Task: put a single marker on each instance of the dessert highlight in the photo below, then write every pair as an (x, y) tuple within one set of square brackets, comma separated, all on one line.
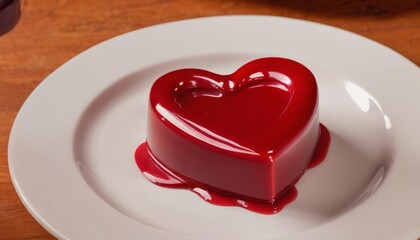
[(242, 139)]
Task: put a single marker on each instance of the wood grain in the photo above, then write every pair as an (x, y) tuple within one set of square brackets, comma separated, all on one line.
[(50, 32)]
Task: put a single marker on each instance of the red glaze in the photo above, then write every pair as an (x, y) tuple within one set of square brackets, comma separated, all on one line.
[(165, 178), (157, 174), (250, 134)]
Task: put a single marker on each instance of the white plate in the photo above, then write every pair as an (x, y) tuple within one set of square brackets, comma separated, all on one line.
[(71, 147)]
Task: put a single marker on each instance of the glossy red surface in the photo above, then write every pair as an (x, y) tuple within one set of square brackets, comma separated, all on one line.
[(155, 172), (249, 135)]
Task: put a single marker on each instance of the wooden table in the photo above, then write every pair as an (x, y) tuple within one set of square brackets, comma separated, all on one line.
[(50, 32)]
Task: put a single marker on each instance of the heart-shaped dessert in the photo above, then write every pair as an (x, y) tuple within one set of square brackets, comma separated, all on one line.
[(250, 134)]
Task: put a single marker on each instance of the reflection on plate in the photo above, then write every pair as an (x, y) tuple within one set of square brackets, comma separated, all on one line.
[(74, 162)]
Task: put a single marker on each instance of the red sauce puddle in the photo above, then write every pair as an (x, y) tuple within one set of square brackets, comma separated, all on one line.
[(161, 176)]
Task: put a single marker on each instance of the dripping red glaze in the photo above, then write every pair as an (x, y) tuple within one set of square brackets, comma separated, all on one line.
[(242, 139)]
